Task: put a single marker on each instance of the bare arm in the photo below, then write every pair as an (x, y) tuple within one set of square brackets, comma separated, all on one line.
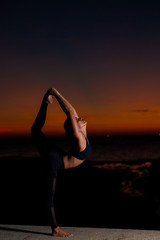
[(68, 109), (65, 105)]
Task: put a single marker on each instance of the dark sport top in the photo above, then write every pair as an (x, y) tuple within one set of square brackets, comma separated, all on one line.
[(85, 153)]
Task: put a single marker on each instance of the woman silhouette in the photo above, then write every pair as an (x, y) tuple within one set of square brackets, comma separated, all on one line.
[(55, 157)]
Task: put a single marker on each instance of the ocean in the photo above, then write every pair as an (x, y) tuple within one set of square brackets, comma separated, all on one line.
[(113, 148), (117, 186)]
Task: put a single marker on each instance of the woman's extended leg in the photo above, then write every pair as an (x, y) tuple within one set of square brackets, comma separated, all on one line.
[(39, 138)]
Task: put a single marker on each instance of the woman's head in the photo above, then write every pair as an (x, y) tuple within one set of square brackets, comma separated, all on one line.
[(69, 129), (81, 123)]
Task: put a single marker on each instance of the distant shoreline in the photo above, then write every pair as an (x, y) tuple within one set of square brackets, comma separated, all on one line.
[(124, 195)]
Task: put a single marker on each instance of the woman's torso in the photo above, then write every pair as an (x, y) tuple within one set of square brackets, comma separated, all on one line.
[(78, 153)]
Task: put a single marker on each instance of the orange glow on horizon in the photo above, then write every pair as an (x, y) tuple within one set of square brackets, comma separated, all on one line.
[(108, 109), (93, 128)]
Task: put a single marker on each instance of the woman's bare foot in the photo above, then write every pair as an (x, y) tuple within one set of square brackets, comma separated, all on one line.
[(58, 232)]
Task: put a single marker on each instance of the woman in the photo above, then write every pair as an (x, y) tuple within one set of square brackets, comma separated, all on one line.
[(56, 158)]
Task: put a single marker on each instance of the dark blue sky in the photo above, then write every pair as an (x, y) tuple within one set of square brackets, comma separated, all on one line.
[(34, 26), (102, 55)]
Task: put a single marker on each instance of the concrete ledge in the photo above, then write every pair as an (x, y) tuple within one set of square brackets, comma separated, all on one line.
[(21, 232)]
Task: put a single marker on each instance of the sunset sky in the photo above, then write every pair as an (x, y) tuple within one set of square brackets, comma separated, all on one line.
[(103, 57)]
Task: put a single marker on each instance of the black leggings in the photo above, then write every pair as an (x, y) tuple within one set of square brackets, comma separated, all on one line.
[(53, 160)]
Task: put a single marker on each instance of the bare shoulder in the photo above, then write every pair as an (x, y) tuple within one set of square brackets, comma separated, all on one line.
[(79, 145), (81, 141)]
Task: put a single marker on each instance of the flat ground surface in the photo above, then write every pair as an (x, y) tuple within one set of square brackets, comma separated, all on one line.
[(24, 232)]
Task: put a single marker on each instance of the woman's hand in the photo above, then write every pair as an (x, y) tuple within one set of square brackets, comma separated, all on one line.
[(54, 91), (49, 95)]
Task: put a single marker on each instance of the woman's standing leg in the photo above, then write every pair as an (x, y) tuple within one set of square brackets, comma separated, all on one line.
[(50, 202)]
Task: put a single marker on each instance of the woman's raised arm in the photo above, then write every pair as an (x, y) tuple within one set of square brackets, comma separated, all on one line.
[(65, 105), (69, 110)]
